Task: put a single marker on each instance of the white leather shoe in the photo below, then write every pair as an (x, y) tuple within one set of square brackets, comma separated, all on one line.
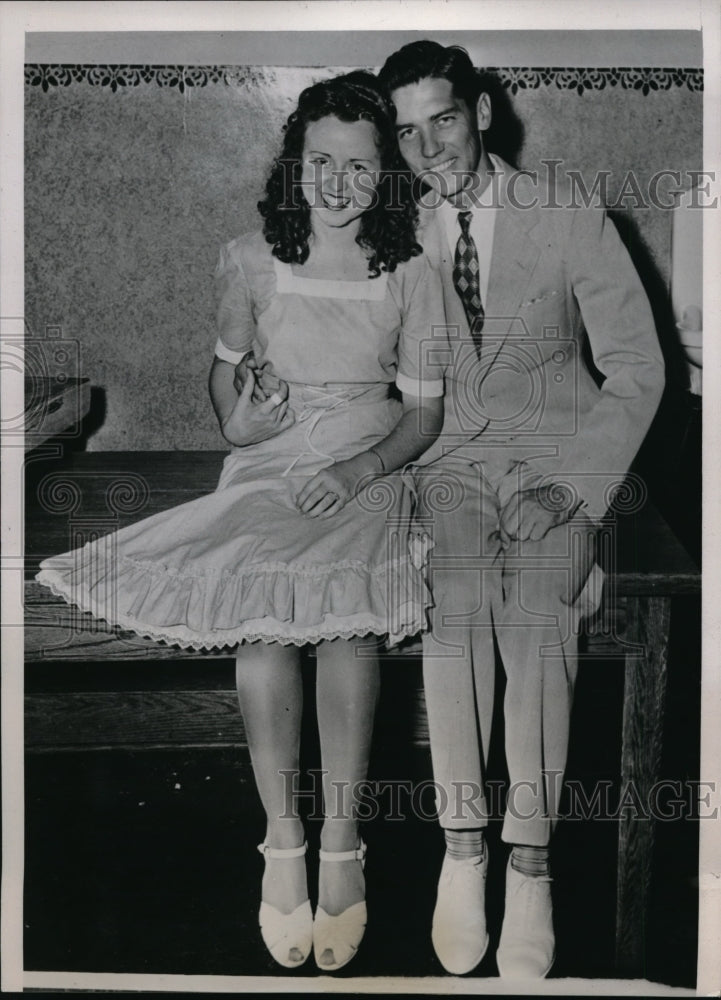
[(287, 936), (459, 932), (336, 938), (527, 947)]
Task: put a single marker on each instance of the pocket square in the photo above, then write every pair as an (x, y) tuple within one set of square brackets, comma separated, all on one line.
[(541, 297)]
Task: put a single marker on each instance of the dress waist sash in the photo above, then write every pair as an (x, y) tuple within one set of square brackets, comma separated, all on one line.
[(312, 402)]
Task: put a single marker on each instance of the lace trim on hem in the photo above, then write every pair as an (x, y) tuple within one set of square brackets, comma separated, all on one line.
[(208, 642)]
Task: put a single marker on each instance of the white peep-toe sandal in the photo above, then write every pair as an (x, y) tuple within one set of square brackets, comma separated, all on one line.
[(287, 936), (343, 933)]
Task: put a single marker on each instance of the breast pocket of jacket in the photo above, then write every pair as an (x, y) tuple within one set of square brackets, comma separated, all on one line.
[(541, 315)]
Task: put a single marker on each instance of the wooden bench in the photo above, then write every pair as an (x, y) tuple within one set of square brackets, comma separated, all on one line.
[(90, 494)]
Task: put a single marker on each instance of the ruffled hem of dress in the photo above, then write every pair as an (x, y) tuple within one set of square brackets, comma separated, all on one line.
[(277, 595)]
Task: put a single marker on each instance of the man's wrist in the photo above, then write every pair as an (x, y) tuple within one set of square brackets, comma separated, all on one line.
[(234, 435), (231, 438)]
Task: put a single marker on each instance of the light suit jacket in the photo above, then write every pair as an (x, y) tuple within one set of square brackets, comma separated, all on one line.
[(561, 283)]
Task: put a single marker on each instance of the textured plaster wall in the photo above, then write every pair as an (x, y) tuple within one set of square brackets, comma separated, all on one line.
[(130, 192)]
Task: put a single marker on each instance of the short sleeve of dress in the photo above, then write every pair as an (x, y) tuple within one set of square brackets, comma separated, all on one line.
[(235, 320), (423, 350)]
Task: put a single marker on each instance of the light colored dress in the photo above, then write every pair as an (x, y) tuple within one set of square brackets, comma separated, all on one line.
[(243, 563)]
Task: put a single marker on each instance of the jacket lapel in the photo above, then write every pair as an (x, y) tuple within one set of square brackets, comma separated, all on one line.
[(514, 258)]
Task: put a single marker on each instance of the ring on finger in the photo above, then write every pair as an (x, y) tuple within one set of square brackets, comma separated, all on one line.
[(335, 496)]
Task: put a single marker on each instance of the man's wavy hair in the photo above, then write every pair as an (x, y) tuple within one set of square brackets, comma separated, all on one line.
[(387, 227), (426, 59)]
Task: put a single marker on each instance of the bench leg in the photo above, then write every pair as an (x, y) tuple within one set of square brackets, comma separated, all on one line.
[(643, 715)]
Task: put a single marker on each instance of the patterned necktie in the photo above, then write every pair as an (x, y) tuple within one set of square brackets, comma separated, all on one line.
[(467, 280)]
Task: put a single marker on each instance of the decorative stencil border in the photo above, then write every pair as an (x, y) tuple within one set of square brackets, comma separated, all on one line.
[(644, 80), (515, 79)]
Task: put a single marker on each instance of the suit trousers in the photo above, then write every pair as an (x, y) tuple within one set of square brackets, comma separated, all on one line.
[(490, 597)]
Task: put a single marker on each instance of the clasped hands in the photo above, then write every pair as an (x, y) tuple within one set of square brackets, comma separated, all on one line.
[(262, 412)]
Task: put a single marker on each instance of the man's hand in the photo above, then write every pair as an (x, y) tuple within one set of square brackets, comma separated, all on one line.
[(527, 517), (329, 490), (251, 422), (530, 514)]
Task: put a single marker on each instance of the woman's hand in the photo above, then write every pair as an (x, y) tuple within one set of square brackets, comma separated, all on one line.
[(329, 490), (250, 422)]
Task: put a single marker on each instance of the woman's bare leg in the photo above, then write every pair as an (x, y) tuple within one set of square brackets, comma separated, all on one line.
[(347, 688), (270, 693)]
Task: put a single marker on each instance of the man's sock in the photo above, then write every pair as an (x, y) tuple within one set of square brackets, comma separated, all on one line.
[(462, 844), (534, 861)]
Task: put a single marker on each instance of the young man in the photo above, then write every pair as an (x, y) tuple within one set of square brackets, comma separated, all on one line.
[(532, 447)]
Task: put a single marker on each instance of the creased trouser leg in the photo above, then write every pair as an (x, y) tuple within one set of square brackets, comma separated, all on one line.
[(537, 638), (458, 656), (459, 700), (480, 589)]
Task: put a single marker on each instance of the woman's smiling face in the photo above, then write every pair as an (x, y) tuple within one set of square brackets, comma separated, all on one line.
[(341, 166)]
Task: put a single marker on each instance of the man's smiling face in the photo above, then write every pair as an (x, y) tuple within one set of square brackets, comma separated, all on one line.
[(438, 134)]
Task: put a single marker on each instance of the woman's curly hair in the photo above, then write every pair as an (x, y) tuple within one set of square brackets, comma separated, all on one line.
[(387, 227)]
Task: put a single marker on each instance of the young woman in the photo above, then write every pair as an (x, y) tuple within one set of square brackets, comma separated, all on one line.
[(324, 310)]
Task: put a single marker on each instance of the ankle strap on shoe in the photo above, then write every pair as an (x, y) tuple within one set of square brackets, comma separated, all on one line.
[(280, 853), (357, 855)]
